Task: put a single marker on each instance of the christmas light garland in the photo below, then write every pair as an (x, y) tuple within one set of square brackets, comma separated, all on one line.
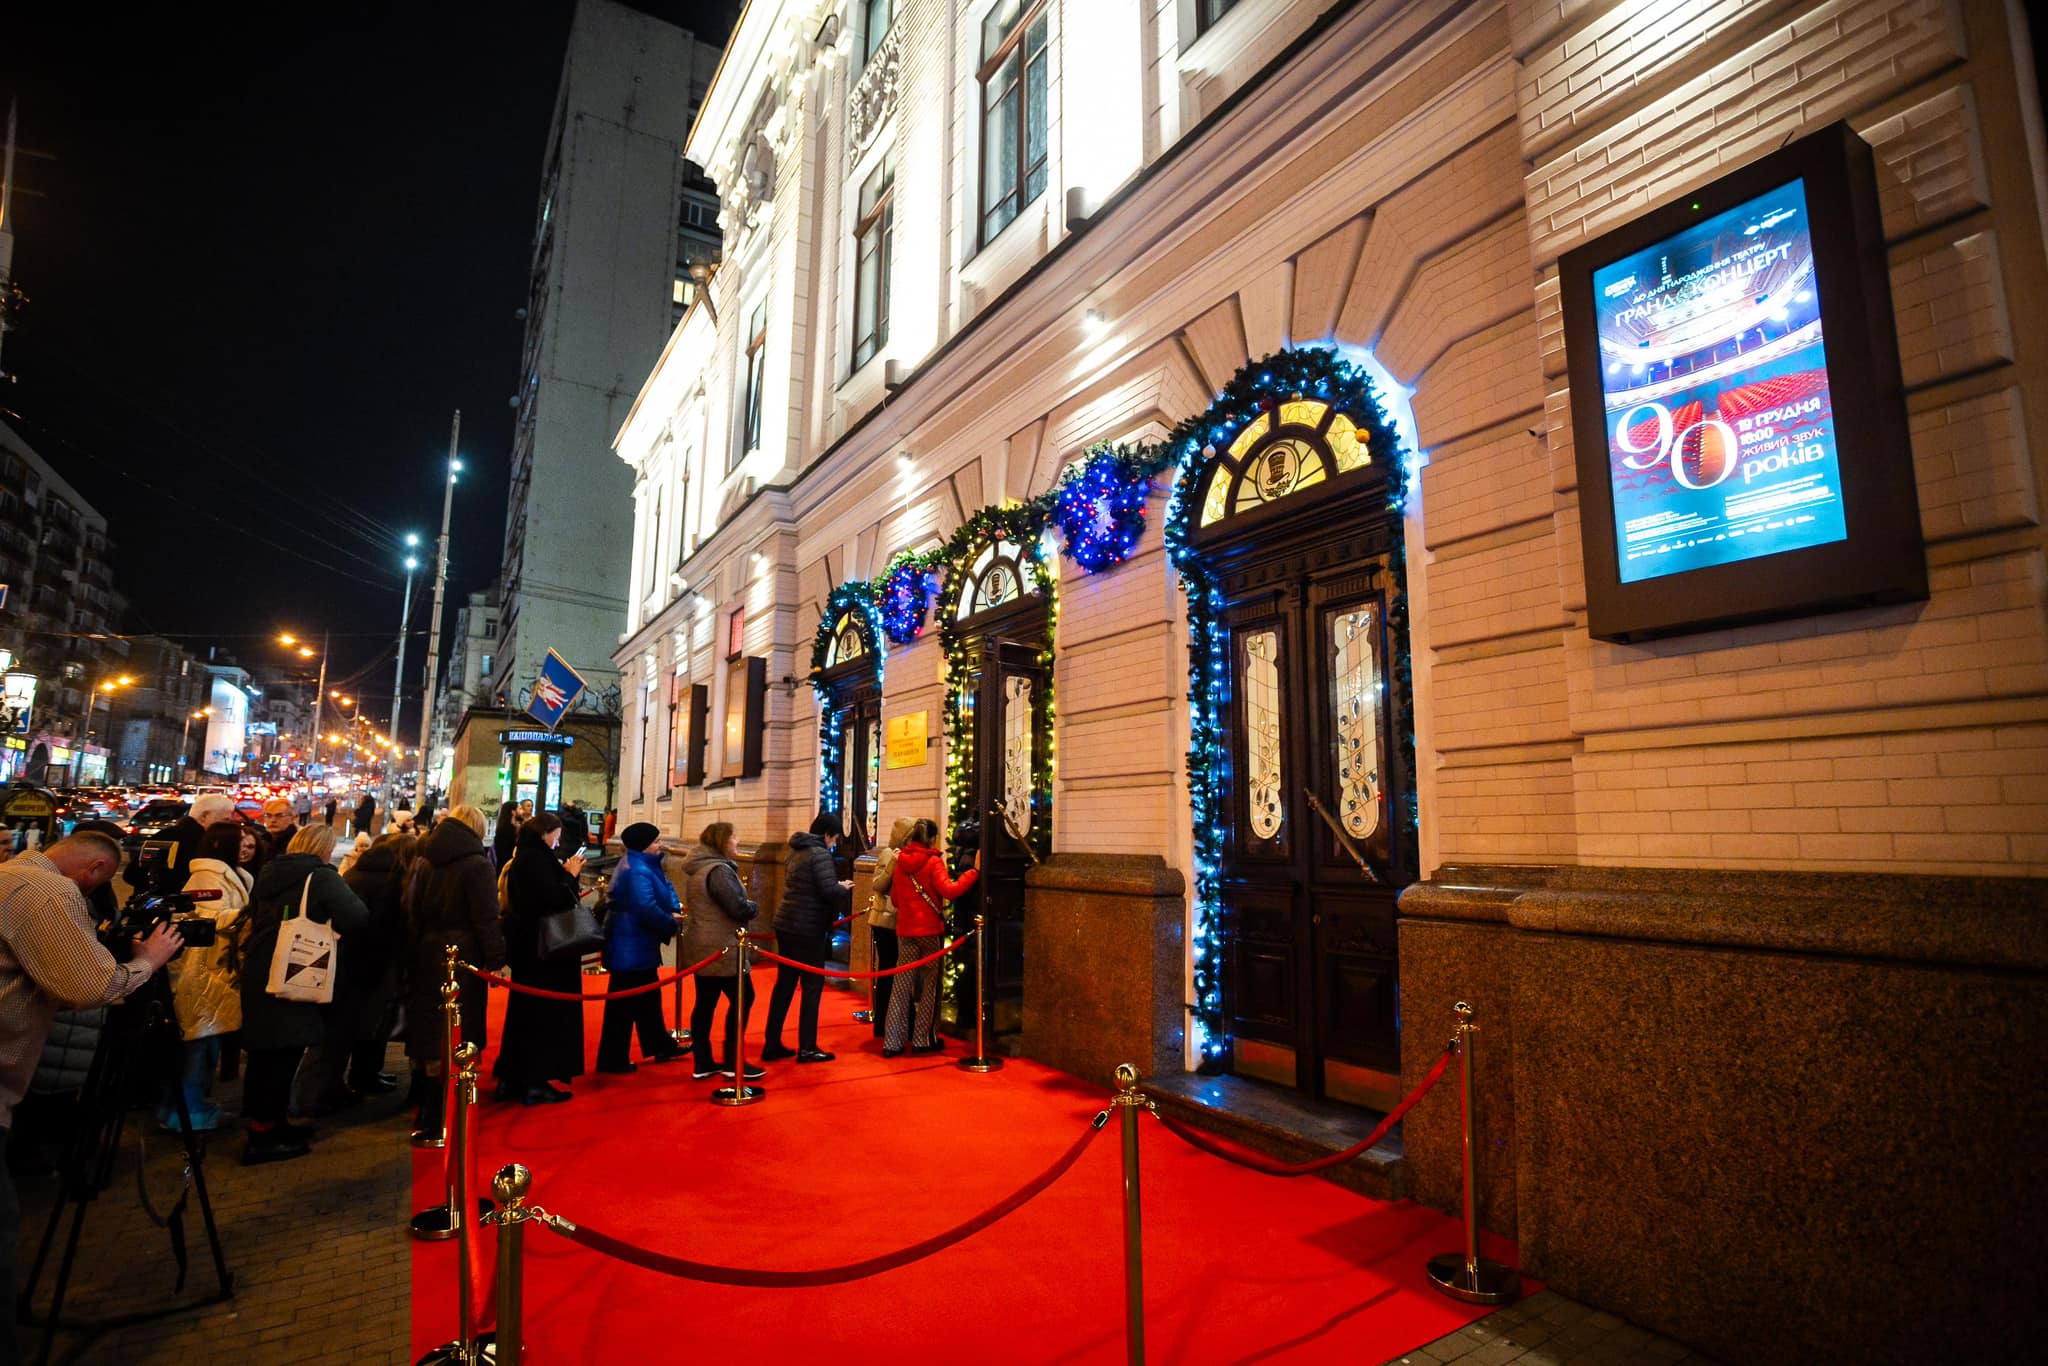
[(1255, 390), (856, 596)]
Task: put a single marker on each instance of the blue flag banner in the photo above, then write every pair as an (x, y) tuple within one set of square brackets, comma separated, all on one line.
[(555, 691)]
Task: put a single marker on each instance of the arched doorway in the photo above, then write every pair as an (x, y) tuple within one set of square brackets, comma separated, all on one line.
[(846, 671), (1288, 535), (996, 618)]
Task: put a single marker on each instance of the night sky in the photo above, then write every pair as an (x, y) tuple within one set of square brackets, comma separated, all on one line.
[(272, 254)]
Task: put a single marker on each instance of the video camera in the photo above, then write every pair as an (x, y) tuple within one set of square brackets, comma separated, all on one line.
[(148, 906)]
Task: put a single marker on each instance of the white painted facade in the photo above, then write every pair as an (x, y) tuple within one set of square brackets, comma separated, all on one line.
[(1397, 178)]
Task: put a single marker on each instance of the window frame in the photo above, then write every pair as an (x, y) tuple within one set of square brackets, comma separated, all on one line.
[(870, 39), (1015, 44), (1204, 21), (880, 221), (754, 384)]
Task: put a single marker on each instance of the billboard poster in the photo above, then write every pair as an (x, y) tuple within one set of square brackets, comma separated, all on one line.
[(226, 738), (1721, 442)]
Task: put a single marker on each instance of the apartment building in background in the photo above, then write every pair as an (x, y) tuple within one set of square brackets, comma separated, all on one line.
[(621, 222), (466, 681), (59, 607)]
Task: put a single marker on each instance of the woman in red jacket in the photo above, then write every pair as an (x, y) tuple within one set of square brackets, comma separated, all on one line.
[(920, 890)]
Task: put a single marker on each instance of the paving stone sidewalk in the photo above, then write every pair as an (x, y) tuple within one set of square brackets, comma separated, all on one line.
[(1549, 1330), (317, 1246)]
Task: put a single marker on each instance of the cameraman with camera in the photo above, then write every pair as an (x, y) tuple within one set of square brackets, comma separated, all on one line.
[(50, 956)]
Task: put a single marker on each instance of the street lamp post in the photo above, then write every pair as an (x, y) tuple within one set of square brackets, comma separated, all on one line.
[(440, 585), (319, 687), (398, 683), (92, 698), (185, 735)]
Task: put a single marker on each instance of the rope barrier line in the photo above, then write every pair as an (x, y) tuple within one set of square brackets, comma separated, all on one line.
[(831, 1275), (492, 979), (1195, 1138), (865, 976)]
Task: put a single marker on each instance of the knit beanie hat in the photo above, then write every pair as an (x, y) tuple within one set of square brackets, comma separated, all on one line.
[(639, 835)]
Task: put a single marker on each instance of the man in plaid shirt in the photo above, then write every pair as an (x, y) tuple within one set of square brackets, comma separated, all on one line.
[(49, 958)]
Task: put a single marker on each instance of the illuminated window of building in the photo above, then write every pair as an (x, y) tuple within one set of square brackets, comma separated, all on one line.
[(1013, 110), (848, 641), (880, 13), (1300, 445), (874, 240), (757, 375)]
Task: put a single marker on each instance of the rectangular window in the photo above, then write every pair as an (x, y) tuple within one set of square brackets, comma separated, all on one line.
[(873, 244), (757, 364), (1207, 12), (1013, 100), (879, 15)]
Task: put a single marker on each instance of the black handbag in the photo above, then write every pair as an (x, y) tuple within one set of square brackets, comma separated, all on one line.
[(571, 932)]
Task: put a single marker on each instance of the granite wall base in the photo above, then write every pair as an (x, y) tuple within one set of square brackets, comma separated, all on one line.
[(1785, 1118), (1103, 964)]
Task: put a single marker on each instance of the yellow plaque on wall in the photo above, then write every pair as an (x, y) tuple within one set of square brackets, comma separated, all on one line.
[(907, 740)]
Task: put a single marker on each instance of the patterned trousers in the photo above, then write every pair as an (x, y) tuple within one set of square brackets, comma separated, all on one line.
[(919, 986)]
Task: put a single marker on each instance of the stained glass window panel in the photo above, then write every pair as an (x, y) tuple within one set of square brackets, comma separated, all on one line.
[(1263, 812), (1348, 444), (1302, 413), (1284, 467), (1017, 732), (1249, 437), (1218, 500), (1355, 692)]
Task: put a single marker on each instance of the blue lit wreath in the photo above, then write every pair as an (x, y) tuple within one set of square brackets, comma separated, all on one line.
[(907, 588), (1100, 507)]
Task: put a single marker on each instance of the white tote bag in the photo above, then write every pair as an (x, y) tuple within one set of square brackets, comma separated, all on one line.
[(302, 968)]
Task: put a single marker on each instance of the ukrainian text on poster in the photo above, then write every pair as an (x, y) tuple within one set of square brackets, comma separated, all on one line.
[(1720, 426)]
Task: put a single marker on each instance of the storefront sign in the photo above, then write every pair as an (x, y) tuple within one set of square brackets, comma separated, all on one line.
[(542, 738), (907, 741)]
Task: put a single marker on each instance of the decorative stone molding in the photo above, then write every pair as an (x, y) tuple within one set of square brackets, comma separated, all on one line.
[(873, 98)]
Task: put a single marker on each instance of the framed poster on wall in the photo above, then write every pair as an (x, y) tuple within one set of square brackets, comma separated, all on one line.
[(1737, 409)]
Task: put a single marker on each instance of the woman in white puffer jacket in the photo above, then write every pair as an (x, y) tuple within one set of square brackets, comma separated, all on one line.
[(203, 981)]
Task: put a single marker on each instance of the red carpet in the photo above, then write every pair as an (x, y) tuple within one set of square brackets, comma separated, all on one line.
[(862, 1156)]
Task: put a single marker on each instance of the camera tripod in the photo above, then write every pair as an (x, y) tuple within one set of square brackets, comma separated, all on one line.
[(139, 1032)]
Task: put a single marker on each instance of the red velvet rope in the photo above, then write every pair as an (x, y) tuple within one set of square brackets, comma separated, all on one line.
[(1258, 1163), (492, 979), (863, 976), (831, 1275)]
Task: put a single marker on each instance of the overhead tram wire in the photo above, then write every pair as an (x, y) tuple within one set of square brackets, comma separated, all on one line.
[(368, 527), (383, 579)]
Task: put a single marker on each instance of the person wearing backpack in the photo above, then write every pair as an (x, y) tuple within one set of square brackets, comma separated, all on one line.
[(277, 1032), (812, 899)]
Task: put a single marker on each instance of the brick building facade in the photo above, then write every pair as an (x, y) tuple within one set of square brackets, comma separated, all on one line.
[(1664, 872)]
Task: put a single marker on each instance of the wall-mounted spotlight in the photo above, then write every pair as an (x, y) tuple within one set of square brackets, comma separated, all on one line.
[(1081, 207)]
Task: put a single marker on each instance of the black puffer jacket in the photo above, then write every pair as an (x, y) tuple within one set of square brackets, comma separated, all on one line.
[(811, 895)]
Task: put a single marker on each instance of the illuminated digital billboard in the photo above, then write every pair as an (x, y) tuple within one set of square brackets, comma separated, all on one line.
[(1737, 408)]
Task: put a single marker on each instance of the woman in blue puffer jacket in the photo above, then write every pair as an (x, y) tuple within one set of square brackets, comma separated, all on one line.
[(644, 913)]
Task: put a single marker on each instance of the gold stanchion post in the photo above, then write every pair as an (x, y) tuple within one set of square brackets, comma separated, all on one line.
[(447, 1220), (1466, 1275), (451, 1016), (981, 1061), (1129, 1102), (739, 1093), (511, 1185), (469, 1347)]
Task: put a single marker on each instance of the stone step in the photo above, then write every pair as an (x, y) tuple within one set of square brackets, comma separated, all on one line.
[(1286, 1126)]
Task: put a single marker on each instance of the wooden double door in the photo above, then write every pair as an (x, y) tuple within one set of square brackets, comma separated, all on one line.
[(1004, 700), (1315, 847)]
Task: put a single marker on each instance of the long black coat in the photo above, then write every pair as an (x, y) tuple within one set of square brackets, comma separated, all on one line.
[(369, 961), (268, 1022), (811, 895), (543, 1038), (452, 899)]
